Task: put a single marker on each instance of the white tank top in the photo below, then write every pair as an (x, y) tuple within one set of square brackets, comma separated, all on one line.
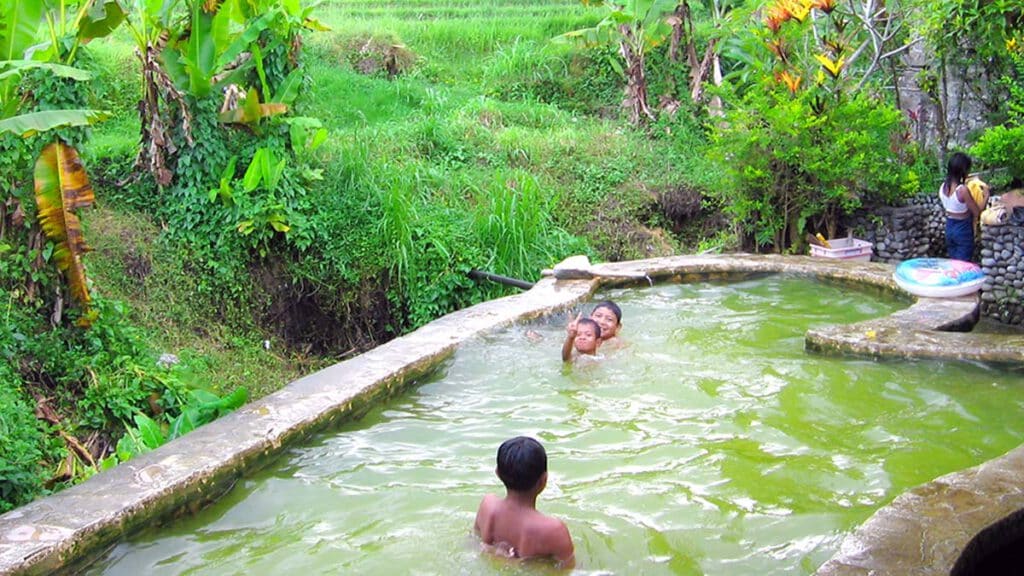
[(951, 203)]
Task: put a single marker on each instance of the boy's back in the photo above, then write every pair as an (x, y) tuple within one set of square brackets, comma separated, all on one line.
[(512, 524), (522, 531)]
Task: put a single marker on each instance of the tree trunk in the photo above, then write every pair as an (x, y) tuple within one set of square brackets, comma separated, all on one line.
[(636, 77), (156, 144)]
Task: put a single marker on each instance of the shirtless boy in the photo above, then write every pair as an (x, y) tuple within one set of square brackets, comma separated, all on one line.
[(582, 337), (608, 316), (513, 523)]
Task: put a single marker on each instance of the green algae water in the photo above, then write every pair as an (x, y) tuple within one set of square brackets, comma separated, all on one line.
[(711, 444)]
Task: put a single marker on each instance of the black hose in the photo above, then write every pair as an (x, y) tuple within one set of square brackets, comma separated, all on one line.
[(481, 275)]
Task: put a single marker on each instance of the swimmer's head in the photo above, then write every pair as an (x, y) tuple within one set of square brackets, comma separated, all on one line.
[(608, 315), (522, 464), (588, 336)]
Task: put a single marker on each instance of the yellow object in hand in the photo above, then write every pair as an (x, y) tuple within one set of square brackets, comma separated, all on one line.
[(979, 191)]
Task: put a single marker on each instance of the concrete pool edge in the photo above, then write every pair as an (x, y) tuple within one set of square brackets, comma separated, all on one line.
[(58, 530), (925, 530)]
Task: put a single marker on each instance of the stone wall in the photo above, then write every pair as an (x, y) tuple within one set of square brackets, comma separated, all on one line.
[(1002, 259), (917, 229), (897, 233), (966, 95)]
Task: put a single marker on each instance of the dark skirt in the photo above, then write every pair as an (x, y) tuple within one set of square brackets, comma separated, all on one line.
[(960, 238)]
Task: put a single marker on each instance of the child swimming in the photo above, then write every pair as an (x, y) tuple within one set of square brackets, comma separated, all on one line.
[(608, 316), (582, 337), (513, 524)]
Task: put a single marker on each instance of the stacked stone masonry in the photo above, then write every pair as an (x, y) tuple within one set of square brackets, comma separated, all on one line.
[(899, 233), (1002, 259), (917, 229)]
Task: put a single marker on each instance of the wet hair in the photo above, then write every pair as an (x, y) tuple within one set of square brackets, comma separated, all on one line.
[(591, 323), (611, 306), (521, 463), (957, 168)]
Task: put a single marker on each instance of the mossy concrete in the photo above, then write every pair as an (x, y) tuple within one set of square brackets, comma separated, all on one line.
[(923, 531), (59, 531)]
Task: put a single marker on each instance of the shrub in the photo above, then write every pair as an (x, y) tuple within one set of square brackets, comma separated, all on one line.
[(793, 166), (806, 141), (1003, 145), (21, 460)]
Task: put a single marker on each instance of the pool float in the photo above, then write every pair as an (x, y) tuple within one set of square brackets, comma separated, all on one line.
[(938, 277)]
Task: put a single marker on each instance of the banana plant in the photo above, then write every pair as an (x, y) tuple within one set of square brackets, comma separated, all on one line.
[(61, 187), (262, 215), (288, 18), (30, 123), (26, 44), (71, 23), (635, 26), (209, 55)]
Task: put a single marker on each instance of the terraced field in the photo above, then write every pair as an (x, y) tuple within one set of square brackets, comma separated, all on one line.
[(458, 33)]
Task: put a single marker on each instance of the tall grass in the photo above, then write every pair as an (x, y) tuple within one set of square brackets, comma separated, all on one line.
[(513, 222)]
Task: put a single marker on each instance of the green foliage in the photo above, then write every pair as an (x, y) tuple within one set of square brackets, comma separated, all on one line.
[(95, 380), (584, 81), (523, 70), (950, 26), (21, 460), (199, 407), (1003, 145), (795, 169), (804, 141), (511, 219), (438, 280), (645, 19)]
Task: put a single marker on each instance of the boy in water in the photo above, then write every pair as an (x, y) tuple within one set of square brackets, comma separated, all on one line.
[(582, 337), (608, 316), (513, 523)]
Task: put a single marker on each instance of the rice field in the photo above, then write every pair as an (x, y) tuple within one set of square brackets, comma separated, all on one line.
[(455, 37)]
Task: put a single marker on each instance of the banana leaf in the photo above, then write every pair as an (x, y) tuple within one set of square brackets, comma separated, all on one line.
[(102, 18), (19, 27), (10, 68), (26, 125), (61, 187)]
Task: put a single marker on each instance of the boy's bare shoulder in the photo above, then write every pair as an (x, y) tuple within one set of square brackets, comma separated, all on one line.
[(490, 500), (484, 513), (543, 528), (552, 539), (550, 527), (614, 341), (489, 505)]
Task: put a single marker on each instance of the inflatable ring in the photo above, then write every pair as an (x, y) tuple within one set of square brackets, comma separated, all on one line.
[(938, 277)]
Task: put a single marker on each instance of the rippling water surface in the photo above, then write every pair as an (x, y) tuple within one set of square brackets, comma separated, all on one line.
[(711, 444)]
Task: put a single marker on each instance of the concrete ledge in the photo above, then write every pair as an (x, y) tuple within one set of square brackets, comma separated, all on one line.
[(55, 532), (923, 531)]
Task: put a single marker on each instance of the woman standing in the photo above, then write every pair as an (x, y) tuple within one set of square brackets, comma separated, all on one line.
[(961, 209)]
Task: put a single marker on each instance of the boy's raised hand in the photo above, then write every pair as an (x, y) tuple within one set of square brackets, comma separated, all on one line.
[(573, 325), (570, 338)]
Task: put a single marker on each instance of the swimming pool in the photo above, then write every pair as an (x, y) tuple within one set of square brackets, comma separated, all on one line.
[(712, 444)]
